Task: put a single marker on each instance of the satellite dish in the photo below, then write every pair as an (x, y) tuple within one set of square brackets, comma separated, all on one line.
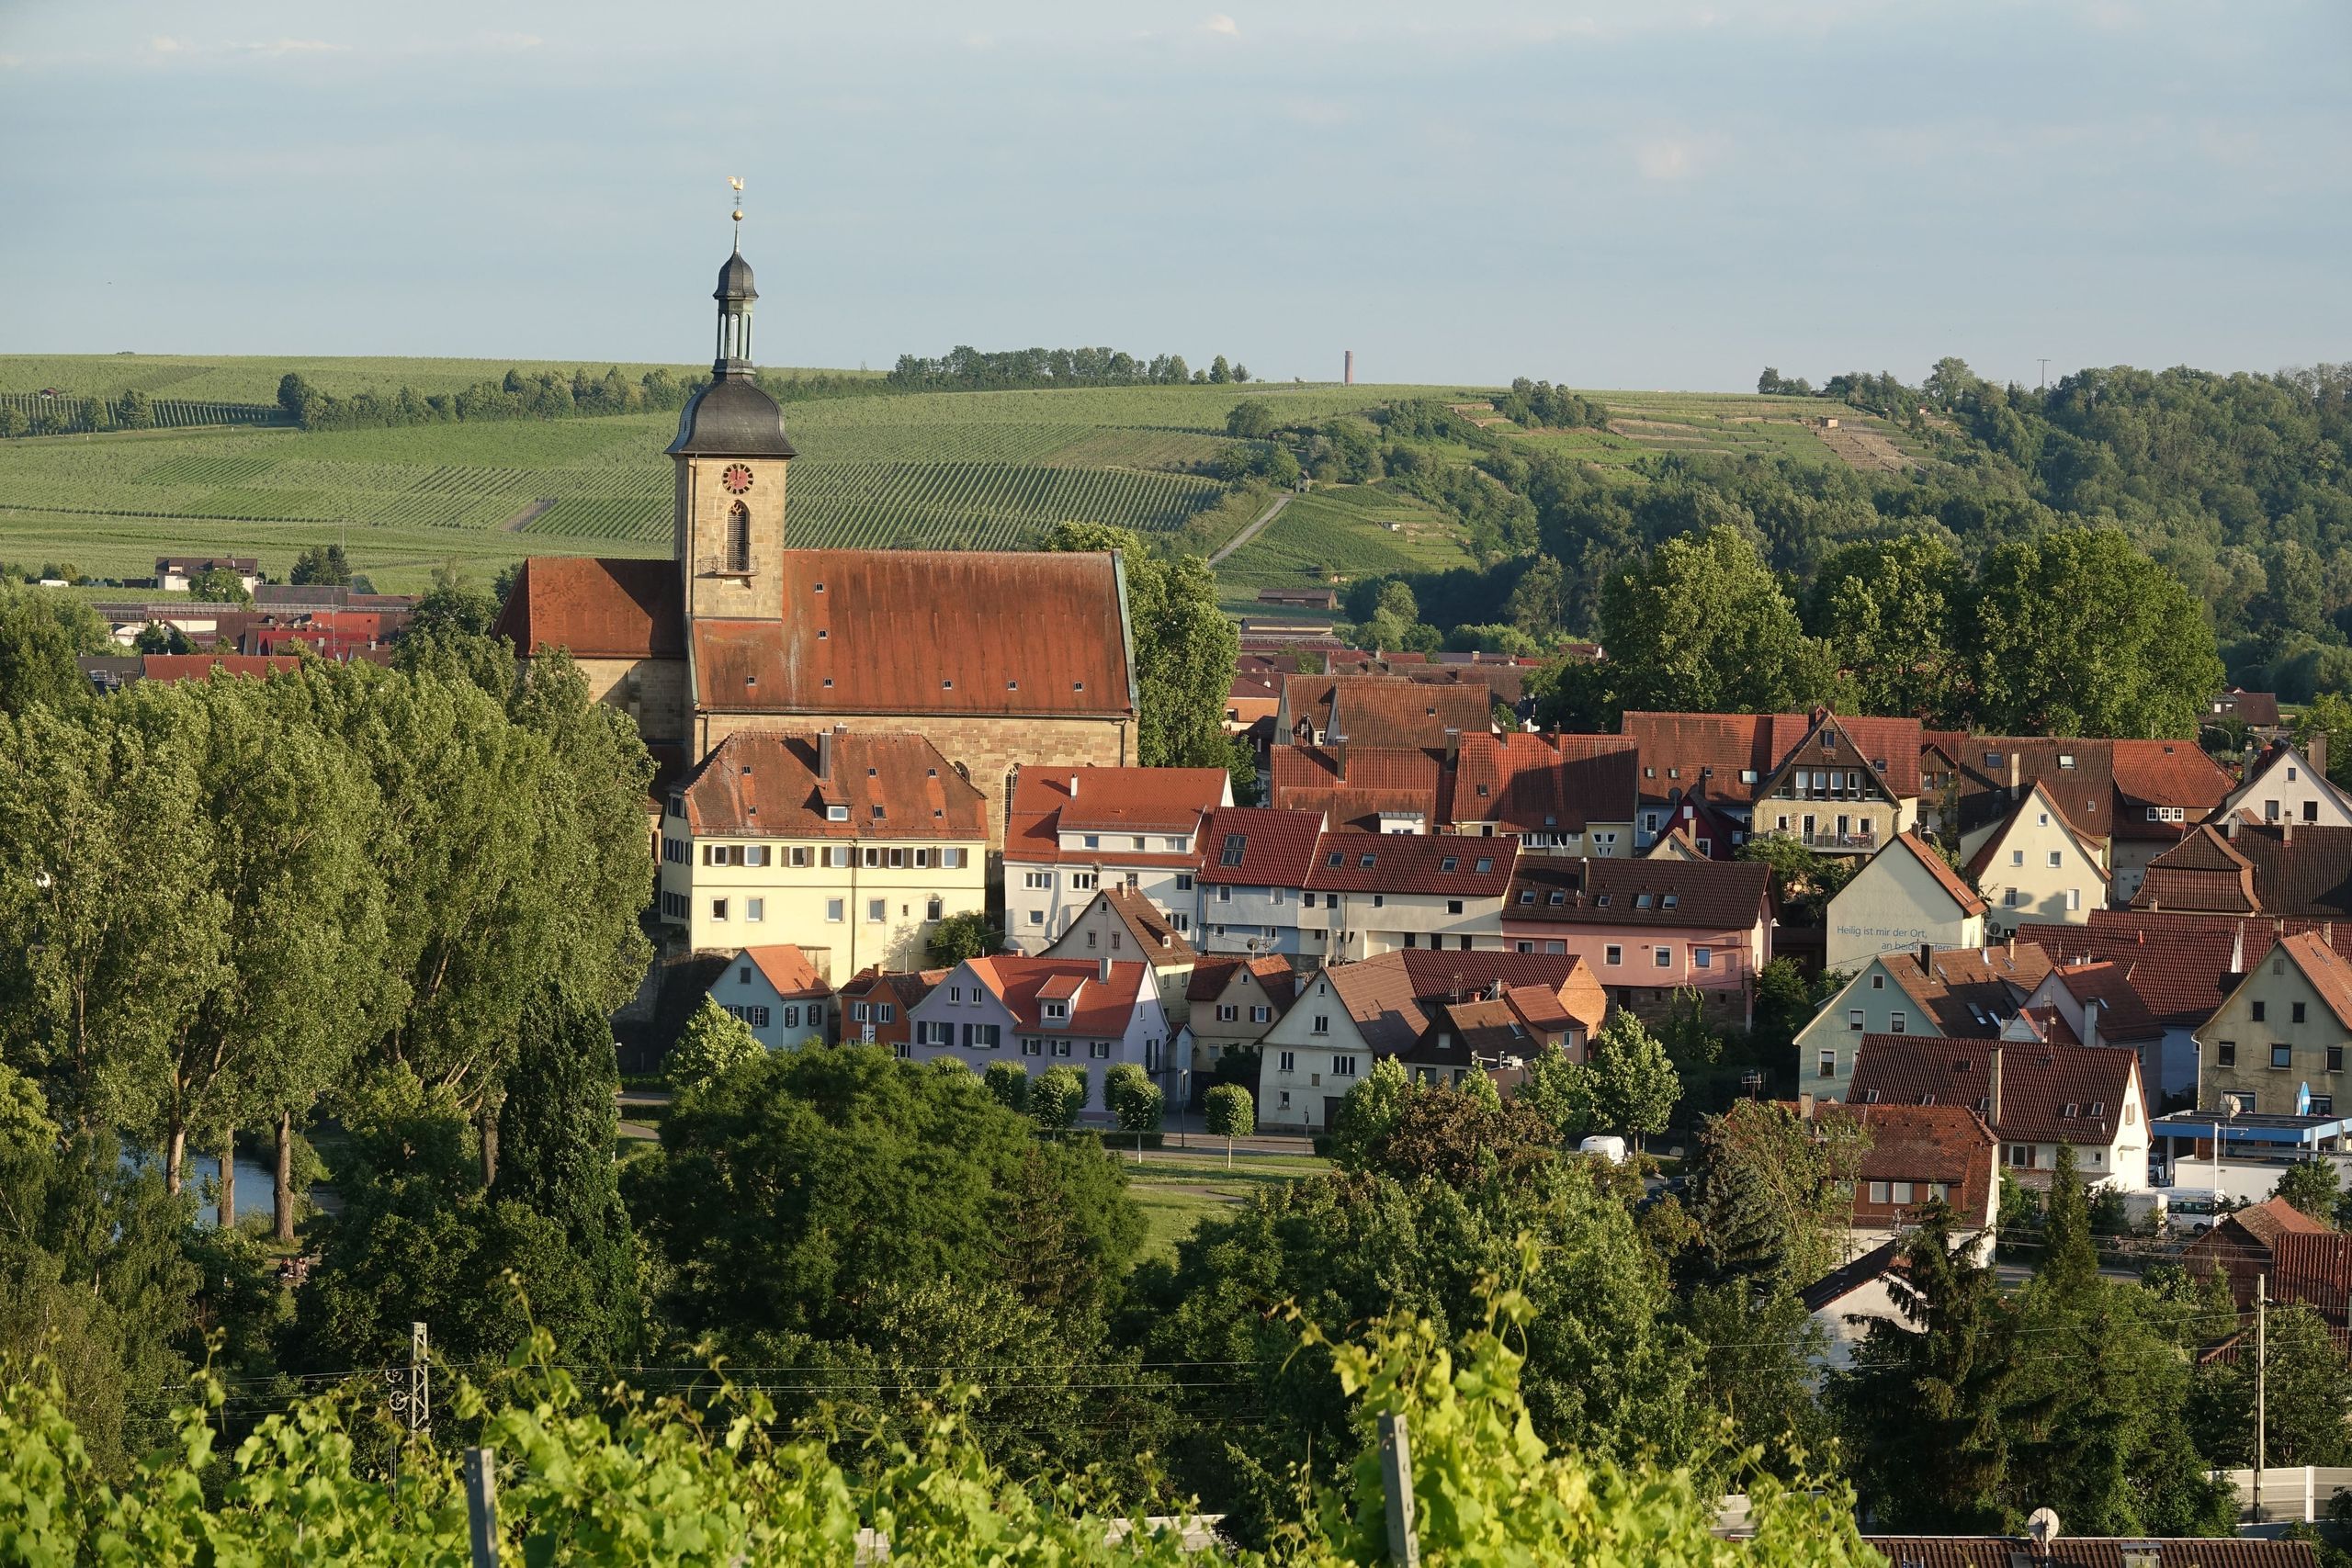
[(2042, 1525)]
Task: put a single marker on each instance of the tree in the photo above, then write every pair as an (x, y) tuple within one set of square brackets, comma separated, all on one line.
[(1008, 1085), (2304, 1405), (1057, 1097), (1134, 1101), (2330, 715), (1185, 647), (1252, 419), (1219, 371), (1886, 607), (2077, 633), (1367, 1111), (157, 638), (221, 585), (1635, 1084), (555, 1139), (1458, 1136), (796, 1193), (713, 1043), (2069, 1266), (1230, 1115), (41, 634), (322, 564), (1774, 1192), (1704, 626), (961, 936), (1560, 1091)]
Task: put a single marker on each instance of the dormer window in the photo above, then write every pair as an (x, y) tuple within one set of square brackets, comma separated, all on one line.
[(1057, 1012)]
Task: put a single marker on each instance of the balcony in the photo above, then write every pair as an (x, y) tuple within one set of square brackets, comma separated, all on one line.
[(723, 566), (1860, 840)]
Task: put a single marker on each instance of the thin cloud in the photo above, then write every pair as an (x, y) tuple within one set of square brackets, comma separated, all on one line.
[(1222, 25), (1675, 157), (274, 49)]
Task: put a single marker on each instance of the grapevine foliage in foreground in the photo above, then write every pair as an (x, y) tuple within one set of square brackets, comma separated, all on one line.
[(632, 1480)]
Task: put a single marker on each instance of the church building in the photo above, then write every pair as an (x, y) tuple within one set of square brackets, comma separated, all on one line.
[(997, 657)]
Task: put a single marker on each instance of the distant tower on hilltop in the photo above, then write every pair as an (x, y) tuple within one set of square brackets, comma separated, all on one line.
[(1348, 367)]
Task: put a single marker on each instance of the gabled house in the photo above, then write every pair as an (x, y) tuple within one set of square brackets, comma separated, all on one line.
[(1253, 866), (2099, 1007), (1347, 1016), (1231, 1002), (1959, 993), (875, 1007), (1904, 896), (2034, 1095), (1381, 710), (1121, 923), (2285, 786), (1367, 894), (1991, 775), (778, 994), (1570, 794), (2258, 711), (2282, 1033), (1369, 789), (2241, 1246), (852, 843), (2163, 790), (2241, 867), (2035, 867), (1074, 831), (1505, 1026), (1649, 928), (1920, 1155), (1048, 1012), (1840, 784)]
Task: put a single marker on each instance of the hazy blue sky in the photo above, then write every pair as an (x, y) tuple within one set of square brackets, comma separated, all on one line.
[(1650, 193)]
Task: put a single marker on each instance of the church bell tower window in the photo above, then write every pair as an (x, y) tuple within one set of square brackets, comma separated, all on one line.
[(739, 538)]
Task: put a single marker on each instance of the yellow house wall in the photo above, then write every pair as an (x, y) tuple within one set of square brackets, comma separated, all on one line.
[(1893, 903), (795, 899), (2277, 985), (2041, 888)]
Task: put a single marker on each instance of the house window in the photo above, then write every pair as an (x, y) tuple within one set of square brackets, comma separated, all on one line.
[(1289, 1061), (1662, 957), (1037, 916), (2282, 1056), (953, 859), (1453, 906), (2258, 1010), (1343, 1067), (1703, 958), (1878, 1193), (1057, 1012), (2056, 860), (2021, 1156), (1899, 1024), (756, 908), (1612, 954), (1098, 1049), (2323, 1105), (2073, 897), (1183, 882), (743, 975), (2008, 897), (718, 908), (2226, 1053), (797, 855), (1903, 1192), (1032, 1047), (2336, 1058), (1228, 1012), (739, 537), (1827, 1064), (876, 911), (1262, 1015), (1877, 982), (935, 907), (1322, 1023), (2295, 1012), (2016, 857)]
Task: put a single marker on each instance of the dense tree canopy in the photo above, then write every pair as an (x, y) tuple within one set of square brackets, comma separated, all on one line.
[(1185, 647)]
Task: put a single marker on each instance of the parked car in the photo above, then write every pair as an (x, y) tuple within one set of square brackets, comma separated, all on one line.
[(1606, 1146)]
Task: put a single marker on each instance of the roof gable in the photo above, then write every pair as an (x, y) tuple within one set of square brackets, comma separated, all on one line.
[(768, 784), (595, 608)]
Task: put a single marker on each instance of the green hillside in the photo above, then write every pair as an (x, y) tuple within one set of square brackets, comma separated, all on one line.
[(962, 470)]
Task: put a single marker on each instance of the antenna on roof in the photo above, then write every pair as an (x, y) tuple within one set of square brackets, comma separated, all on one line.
[(735, 182)]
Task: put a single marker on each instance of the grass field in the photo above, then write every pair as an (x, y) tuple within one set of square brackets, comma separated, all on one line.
[(1177, 1190), (972, 469)]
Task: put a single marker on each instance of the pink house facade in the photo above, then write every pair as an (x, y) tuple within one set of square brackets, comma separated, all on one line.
[(1649, 928)]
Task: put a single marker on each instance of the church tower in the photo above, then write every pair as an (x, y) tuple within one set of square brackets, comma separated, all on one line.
[(732, 453)]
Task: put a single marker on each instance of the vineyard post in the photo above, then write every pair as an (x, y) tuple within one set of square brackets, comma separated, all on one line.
[(1397, 1481)]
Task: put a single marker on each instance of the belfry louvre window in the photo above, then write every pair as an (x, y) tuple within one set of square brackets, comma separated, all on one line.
[(739, 537)]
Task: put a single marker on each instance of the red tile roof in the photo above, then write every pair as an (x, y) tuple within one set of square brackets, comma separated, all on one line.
[(788, 970), (2038, 1083), (595, 608), (2123, 1015), (1273, 975), (204, 666), (765, 784), (2164, 773), (1097, 1007), (1711, 894), (1969, 992), (1680, 751), (1929, 1143), (1257, 846), (2079, 773), (1392, 998), (1990, 850), (1411, 862), (927, 632), (1540, 783), (1387, 710), (1154, 934), (1352, 785), (1125, 800), (1948, 879), (2283, 869), (2183, 966), (2327, 970)]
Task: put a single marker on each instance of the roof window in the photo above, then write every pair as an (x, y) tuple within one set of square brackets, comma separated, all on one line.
[(1485, 863), (2073, 1108), (1482, 792), (837, 813), (877, 814), (1869, 1096), (822, 635), (1527, 896), (1364, 862), (1551, 819), (947, 685), (2065, 759), (1012, 685), (1449, 863), (1078, 686), (1992, 758), (1559, 897), (1641, 900), (820, 588), (1674, 773), (1602, 902), (1235, 843), (2098, 1107), (1669, 901)]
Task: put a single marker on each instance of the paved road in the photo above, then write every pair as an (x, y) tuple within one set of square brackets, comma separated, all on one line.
[(1256, 527)]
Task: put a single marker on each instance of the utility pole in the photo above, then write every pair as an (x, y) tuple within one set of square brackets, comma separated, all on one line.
[(2261, 1382)]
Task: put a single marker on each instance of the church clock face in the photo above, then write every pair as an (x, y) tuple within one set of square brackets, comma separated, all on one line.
[(737, 479)]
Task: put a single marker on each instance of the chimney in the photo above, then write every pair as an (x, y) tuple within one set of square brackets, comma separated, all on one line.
[(1928, 959), (2090, 1022), (1103, 968), (824, 755), (2237, 949), (1993, 1087), (2013, 777), (1452, 746), (1805, 1106), (1073, 786), (1348, 367), (1338, 750), (2286, 830), (2316, 754), (2233, 829)]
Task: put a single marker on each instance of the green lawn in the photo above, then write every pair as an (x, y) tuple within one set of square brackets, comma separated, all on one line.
[(1176, 1192)]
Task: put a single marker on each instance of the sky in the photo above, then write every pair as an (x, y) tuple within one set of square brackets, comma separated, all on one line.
[(1632, 194)]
